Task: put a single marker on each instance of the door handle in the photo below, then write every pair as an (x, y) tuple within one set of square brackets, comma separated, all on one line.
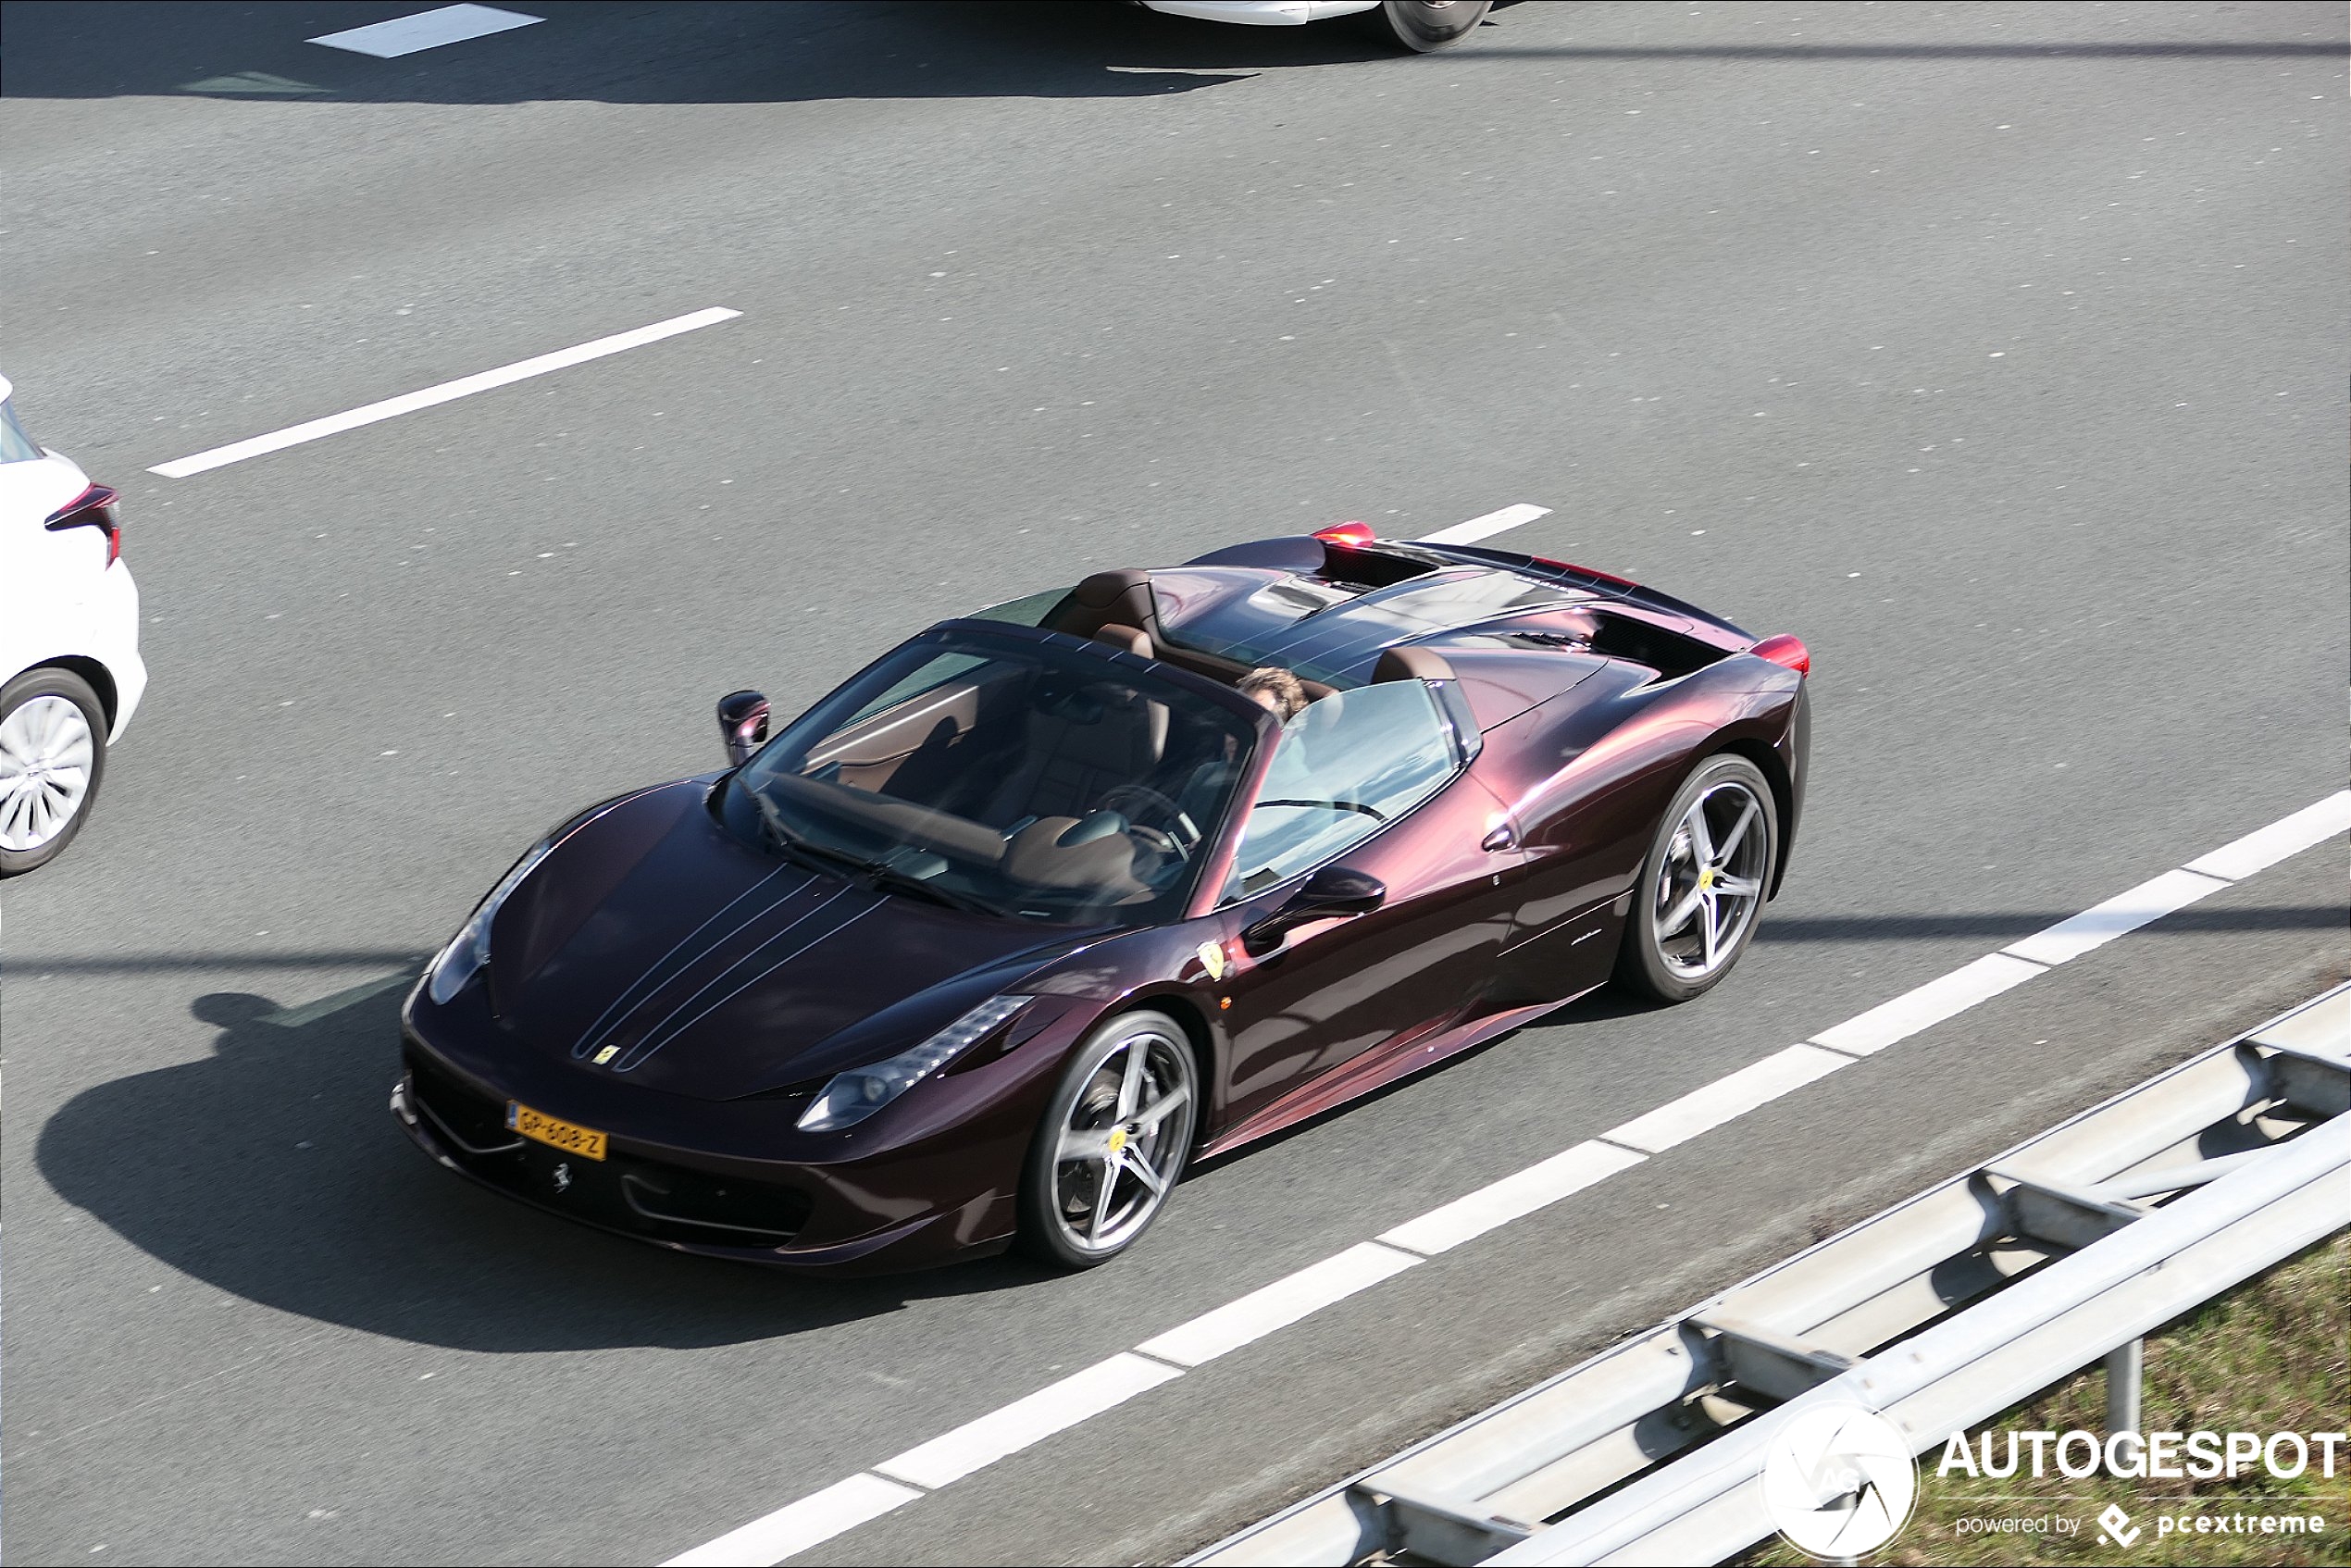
[(1502, 837)]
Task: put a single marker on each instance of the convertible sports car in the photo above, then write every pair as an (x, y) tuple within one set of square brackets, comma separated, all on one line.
[(990, 942)]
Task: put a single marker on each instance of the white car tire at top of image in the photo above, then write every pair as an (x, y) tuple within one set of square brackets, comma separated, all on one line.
[(1423, 25)]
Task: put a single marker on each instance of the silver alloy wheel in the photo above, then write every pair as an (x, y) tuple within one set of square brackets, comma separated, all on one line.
[(1126, 1137), (46, 749), (1711, 882)]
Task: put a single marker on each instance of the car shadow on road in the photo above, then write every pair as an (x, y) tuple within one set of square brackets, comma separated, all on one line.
[(274, 1171)]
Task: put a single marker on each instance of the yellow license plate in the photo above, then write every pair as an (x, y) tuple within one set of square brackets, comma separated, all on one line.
[(586, 1142)]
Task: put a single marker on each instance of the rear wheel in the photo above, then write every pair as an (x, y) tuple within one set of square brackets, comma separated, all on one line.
[(53, 753), (1113, 1143), (1423, 25), (1702, 886)]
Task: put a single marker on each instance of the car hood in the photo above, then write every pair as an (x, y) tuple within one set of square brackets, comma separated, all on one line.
[(653, 945)]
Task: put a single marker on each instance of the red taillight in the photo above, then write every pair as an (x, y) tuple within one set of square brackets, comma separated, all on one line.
[(1355, 536), (1786, 650), (1586, 571), (94, 508)]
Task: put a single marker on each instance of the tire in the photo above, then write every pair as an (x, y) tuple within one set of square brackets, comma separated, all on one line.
[(1670, 952), (1423, 25), (53, 757), (1065, 1218)]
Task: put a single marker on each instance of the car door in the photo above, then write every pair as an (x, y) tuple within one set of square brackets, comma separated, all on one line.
[(1373, 781)]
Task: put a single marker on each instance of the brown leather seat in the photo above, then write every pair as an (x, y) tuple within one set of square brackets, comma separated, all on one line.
[(1410, 664), (1074, 752), (1131, 638), (1114, 598)]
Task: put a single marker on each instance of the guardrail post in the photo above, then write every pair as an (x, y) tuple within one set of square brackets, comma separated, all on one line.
[(2122, 1367)]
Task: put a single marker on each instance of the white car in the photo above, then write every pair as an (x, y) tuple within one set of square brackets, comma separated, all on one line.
[(1419, 25), (70, 667)]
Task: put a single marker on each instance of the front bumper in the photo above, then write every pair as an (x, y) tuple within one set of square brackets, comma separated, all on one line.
[(116, 643), (717, 1178)]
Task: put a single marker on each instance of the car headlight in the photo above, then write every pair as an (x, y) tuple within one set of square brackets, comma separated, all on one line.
[(852, 1096), (470, 949)]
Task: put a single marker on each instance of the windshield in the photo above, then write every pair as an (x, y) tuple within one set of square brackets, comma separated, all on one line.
[(1342, 769), (1044, 782), (15, 445)]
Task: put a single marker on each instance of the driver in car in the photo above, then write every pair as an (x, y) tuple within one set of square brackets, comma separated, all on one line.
[(1276, 690)]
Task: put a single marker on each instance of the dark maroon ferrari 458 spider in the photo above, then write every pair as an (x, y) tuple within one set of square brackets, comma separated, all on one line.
[(1048, 902)]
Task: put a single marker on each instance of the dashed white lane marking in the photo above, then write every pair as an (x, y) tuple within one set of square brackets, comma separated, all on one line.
[(1278, 1305), (426, 29), (447, 391), (977, 1444), (2259, 851), (1514, 1197), (1733, 1095), (1487, 526), (2150, 900), (816, 1518), (1945, 997)]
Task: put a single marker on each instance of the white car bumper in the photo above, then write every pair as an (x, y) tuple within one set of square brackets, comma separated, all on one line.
[(114, 642), (1261, 13)]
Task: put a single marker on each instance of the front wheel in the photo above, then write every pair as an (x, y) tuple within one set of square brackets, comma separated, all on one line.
[(1113, 1143), (52, 754), (1702, 886), (1423, 25)]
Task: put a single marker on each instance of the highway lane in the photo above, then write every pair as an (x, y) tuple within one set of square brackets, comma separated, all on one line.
[(224, 1345)]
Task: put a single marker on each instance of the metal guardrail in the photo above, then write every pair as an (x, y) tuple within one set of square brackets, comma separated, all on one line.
[(1938, 1313)]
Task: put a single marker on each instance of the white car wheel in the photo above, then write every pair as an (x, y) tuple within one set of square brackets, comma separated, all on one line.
[(1423, 25), (53, 753)]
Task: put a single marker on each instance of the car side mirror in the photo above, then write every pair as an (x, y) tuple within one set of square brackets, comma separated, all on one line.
[(742, 724), (1332, 891)]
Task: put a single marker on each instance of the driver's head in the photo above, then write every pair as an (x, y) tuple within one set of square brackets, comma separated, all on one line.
[(1276, 691)]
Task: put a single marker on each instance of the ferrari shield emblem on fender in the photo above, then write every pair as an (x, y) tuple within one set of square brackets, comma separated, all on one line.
[(1211, 958), (606, 1054)]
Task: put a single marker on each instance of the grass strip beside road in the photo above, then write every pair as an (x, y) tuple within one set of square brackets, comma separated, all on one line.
[(2273, 1355)]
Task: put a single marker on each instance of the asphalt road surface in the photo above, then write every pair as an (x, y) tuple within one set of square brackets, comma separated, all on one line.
[(1995, 349)]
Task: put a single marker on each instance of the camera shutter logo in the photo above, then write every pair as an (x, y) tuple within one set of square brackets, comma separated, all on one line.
[(1838, 1480)]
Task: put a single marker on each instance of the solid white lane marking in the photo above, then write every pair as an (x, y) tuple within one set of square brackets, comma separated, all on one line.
[(1945, 997), (1079, 1397), (2094, 926), (1278, 1305), (447, 391), (797, 1526), (1733, 1095), (426, 29), (1486, 526), (1514, 1197), (2259, 851)]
